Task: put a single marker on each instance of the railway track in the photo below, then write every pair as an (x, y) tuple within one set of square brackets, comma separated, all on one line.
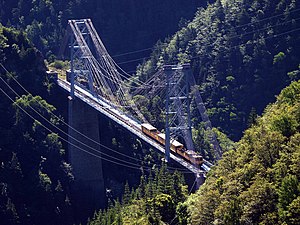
[(127, 122)]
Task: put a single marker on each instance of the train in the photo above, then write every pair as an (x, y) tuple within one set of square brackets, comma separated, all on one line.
[(175, 146)]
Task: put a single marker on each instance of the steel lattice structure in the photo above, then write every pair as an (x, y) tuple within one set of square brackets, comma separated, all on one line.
[(178, 119), (93, 69)]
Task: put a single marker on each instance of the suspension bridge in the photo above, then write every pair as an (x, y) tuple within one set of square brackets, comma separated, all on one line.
[(95, 80)]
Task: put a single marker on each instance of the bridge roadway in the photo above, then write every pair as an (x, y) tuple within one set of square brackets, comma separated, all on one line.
[(127, 122)]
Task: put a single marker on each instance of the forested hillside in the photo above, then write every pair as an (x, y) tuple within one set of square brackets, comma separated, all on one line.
[(34, 176), (155, 200), (124, 25), (258, 182), (242, 54)]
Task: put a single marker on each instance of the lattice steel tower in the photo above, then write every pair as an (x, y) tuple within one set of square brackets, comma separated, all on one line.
[(178, 118)]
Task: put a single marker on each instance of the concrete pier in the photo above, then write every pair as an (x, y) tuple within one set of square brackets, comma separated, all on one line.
[(88, 187)]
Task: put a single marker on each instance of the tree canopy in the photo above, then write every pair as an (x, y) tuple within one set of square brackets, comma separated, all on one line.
[(34, 176), (258, 183), (242, 54)]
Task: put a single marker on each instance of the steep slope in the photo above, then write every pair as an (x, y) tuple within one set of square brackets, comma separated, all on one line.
[(258, 182), (153, 202), (124, 25), (34, 177), (240, 52)]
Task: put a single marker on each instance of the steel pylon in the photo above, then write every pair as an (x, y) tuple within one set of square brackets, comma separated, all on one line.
[(178, 118), (80, 48)]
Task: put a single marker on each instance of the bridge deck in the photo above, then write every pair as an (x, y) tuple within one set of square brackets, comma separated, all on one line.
[(125, 121)]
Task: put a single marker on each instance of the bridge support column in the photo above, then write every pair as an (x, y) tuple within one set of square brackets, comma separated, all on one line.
[(200, 179), (88, 188)]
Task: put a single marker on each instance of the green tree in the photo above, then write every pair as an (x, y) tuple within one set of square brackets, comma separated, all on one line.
[(288, 191), (165, 206)]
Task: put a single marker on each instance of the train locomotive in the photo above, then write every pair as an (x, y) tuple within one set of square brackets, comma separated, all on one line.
[(175, 146)]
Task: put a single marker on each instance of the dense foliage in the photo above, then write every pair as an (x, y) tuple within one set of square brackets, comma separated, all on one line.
[(156, 199), (34, 177), (258, 183), (241, 52), (124, 25)]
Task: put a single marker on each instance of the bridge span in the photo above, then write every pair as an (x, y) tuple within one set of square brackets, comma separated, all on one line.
[(104, 107)]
